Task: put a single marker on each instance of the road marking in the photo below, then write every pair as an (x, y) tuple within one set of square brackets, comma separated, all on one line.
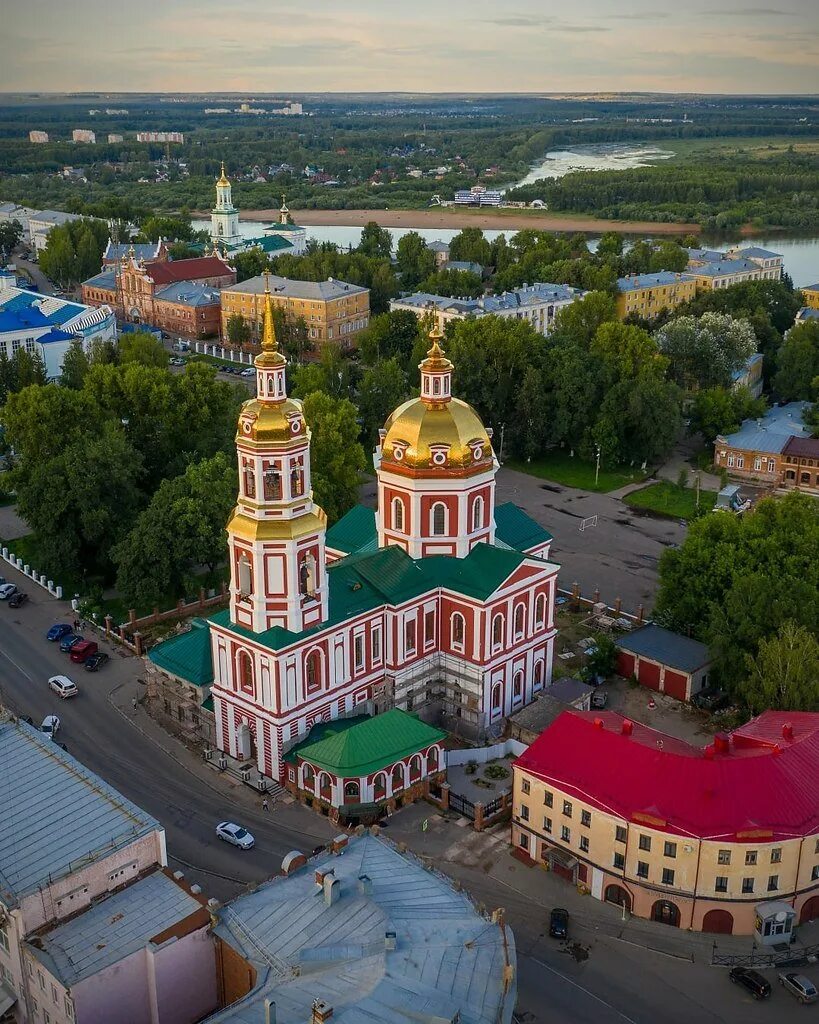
[(8, 657), (587, 992)]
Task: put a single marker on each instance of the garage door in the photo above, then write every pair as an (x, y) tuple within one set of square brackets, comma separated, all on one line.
[(649, 674), (625, 664), (675, 684)]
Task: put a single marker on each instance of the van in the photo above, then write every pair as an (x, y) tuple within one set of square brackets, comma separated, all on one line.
[(82, 650)]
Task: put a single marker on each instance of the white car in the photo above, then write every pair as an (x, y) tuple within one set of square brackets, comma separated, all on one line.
[(50, 726), (6, 590), (800, 986), (63, 686), (249, 372), (235, 835)]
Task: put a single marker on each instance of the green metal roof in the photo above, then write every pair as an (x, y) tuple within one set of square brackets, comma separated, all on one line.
[(355, 531), (478, 575), (354, 747), (187, 655), (517, 529)]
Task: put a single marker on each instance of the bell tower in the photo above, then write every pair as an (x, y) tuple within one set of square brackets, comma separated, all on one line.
[(276, 533), (224, 217)]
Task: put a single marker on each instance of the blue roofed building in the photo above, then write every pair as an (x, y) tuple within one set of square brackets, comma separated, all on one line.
[(45, 325), (647, 295), (750, 375), (755, 451), (361, 935), (712, 269)]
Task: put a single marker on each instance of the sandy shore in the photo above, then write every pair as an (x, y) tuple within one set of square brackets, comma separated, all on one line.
[(438, 217)]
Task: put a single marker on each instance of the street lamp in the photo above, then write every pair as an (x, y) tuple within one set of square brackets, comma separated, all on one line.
[(597, 464)]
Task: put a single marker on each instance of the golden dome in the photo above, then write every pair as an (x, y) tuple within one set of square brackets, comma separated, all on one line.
[(281, 422), (223, 179), (448, 435)]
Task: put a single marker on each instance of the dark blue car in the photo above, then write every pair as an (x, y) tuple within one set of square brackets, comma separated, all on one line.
[(58, 632), (69, 640)]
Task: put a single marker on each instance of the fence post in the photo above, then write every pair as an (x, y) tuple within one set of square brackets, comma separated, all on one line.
[(640, 612), (108, 623), (138, 643), (617, 605), (478, 821)]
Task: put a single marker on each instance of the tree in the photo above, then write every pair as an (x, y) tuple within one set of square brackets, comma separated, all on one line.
[(375, 241), (170, 228), (470, 246), (784, 673), (610, 244), (251, 263), (455, 283), (798, 363), (716, 411), (11, 232), (415, 260), (143, 348), (383, 388), (578, 322), (705, 351), (389, 335), (182, 528), (238, 329), (75, 366), (336, 455)]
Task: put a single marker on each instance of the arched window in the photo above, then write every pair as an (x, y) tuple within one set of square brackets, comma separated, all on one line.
[(432, 760), (352, 791), (325, 785), (380, 786), (250, 481), (457, 629), (245, 576), (517, 687), (415, 768), (245, 667), (439, 519), (538, 680), (540, 611), (398, 515), (520, 612), (477, 513), (313, 670), (296, 481), (272, 484), (308, 777), (307, 574), (436, 386), (498, 624), (397, 777), (496, 696)]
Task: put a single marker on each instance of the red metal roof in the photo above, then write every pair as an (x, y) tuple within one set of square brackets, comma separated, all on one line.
[(759, 782), (196, 269), (806, 447)]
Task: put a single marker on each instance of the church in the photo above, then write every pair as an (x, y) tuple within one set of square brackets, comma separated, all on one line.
[(281, 237), (438, 605)]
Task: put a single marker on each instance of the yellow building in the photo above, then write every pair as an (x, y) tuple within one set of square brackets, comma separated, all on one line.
[(647, 295), (333, 310), (811, 294), (693, 837)]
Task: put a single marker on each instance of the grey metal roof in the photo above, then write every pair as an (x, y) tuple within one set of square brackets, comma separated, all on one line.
[(53, 217), (448, 958), (189, 293), (329, 289), (55, 814), (719, 269), (529, 295), (466, 266), (438, 246), (707, 255), (755, 251), (142, 250), (564, 692), (114, 929), (771, 432), (665, 647)]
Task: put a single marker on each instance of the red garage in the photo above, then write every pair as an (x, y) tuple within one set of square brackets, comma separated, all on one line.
[(664, 661)]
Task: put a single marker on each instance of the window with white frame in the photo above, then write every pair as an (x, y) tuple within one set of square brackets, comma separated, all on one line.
[(520, 621), (375, 643), (540, 611), (477, 513), (398, 515), (457, 629), (438, 517), (497, 630), (358, 651)]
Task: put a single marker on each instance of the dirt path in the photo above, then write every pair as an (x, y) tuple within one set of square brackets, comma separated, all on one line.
[(438, 217)]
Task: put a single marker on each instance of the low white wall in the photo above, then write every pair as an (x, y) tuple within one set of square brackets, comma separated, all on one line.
[(39, 578), (484, 754)]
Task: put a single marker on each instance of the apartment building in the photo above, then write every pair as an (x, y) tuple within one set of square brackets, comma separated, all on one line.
[(702, 838), (755, 452), (333, 310), (647, 295), (84, 135), (38, 137)]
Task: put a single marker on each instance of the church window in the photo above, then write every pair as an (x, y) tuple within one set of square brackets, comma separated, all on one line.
[(245, 576), (409, 636), (439, 519), (432, 759), (351, 791), (307, 575), (309, 777), (498, 626), (245, 666), (398, 777), (436, 386), (415, 768), (477, 513), (272, 484), (296, 481), (250, 482), (358, 645), (540, 611), (429, 628), (496, 697), (398, 515), (376, 643), (538, 681), (313, 670), (457, 630), (520, 613), (517, 687)]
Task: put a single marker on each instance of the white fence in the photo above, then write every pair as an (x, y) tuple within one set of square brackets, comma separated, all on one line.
[(39, 578), (229, 355), (484, 754)]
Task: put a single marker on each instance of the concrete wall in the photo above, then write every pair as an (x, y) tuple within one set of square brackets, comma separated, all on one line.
[(484, 754), (184, 978)]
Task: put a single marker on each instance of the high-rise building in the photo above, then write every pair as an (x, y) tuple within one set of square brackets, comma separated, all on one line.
[(83, 135)]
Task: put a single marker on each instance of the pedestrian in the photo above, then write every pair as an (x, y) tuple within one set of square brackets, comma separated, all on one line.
[(134, 703), (76, 625), (265, 804)]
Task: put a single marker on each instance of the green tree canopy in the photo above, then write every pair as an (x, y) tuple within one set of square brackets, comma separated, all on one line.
[(784, 673), (390, 335), (238, 329), (142, 347), (797, 363), (454, 283), (704, 352), (375, 241), (336, 456), (717, 411), (470, 246), (415, 260), (383, 388)]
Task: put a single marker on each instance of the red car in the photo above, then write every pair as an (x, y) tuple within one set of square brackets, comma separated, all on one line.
[(82, 650)]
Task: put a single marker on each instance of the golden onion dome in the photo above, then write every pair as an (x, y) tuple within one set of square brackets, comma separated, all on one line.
[(448, 435), (272, 422)]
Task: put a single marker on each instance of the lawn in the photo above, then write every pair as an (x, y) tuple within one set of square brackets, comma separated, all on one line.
[(667, 499), (754, 146), (561, 468)]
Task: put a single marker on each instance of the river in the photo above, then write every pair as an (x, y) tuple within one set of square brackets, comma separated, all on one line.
[(801, 254)]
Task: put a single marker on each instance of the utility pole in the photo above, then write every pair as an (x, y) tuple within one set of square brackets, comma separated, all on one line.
[(597, 464)]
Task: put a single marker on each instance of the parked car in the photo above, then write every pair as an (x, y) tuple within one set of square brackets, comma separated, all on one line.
[(800, 986), (235, 835), (69, 640), (711, 699), (84, 649), (599, 699), (18, 600), (63, 686), (59, 631), (96, 661), (753, 981), (6, 591), (50, 726), (559, 923), (249, 372)]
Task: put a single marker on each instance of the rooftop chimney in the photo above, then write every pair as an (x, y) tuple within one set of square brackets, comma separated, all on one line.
[(787, 731), (365, 885), (321, 1012), (627, 727), (598, 723), (389, 940), (332, 890), (269, 1012), (321, 874), (722, 743)]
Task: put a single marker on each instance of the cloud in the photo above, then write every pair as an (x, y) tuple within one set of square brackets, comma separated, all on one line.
[(525, 21), (752, 12)]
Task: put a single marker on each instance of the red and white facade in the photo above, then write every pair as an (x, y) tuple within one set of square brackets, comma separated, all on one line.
[(281, 663)]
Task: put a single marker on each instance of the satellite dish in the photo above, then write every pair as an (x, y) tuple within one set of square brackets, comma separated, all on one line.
[(781, 916)]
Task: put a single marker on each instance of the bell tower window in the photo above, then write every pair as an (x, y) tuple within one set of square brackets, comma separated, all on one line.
[(307, 575), (249, 481), (245, 576), (398, 515), (296, 481), (272, 484)]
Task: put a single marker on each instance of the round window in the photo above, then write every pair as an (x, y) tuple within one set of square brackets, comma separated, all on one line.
[(398, 454)]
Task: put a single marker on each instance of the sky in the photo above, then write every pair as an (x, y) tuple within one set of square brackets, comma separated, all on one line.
[(282, 46)]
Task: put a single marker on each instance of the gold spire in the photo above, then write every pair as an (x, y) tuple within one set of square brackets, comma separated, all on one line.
[(270, 355), (223, 180), (435, 360)]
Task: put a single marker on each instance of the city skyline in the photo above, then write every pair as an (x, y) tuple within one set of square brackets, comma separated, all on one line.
[(736, 47)]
